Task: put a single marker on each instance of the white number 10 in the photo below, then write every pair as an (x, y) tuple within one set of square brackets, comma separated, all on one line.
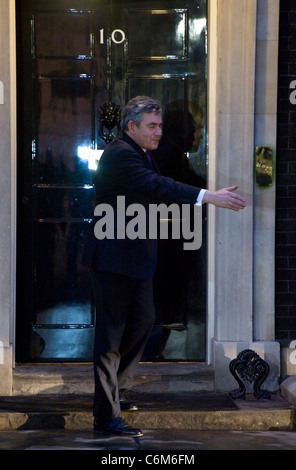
[(117, 32)]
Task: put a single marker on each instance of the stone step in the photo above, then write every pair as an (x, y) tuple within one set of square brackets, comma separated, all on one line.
[(67, 378), (169, 396), (203, 411)]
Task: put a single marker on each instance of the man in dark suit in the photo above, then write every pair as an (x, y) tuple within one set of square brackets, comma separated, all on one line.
[(121, 264)]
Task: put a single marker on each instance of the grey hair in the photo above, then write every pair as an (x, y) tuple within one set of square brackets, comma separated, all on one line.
[(134, 109)]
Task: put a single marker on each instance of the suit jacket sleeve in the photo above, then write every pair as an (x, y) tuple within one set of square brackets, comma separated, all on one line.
[(125, 168)]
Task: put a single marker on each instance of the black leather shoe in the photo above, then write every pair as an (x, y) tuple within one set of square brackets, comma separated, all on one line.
[(117, 427), (127, 405)]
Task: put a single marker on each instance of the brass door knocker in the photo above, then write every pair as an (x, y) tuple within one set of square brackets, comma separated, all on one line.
[(110, 117)]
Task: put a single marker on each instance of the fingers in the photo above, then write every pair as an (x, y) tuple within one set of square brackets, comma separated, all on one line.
[(236, 202), (239, 199), (226, 198), (235, 206), (232, 188)]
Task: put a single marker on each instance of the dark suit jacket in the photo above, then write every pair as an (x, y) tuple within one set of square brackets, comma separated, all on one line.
[(124, 170)]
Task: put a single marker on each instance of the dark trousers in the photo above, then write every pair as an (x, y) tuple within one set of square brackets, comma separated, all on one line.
[(124, 319)]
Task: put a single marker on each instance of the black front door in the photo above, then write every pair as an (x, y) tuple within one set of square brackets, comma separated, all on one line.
[(77, 59)]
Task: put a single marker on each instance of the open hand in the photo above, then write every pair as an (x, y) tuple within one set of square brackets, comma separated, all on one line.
[(226, 198)]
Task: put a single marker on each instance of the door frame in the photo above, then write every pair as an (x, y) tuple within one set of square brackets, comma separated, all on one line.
[(211, 118)]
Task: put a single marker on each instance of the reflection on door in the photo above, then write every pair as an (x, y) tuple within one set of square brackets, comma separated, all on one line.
[(76, 57)]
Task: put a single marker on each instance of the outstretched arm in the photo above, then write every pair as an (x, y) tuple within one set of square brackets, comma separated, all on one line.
[(226, 198)]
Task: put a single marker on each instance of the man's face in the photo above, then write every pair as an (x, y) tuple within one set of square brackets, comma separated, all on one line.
[(149, 132)]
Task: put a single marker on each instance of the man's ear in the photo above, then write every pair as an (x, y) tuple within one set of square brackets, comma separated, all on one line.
[(131, 126)]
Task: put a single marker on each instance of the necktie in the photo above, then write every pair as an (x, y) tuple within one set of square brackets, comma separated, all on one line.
[(148, 156)]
